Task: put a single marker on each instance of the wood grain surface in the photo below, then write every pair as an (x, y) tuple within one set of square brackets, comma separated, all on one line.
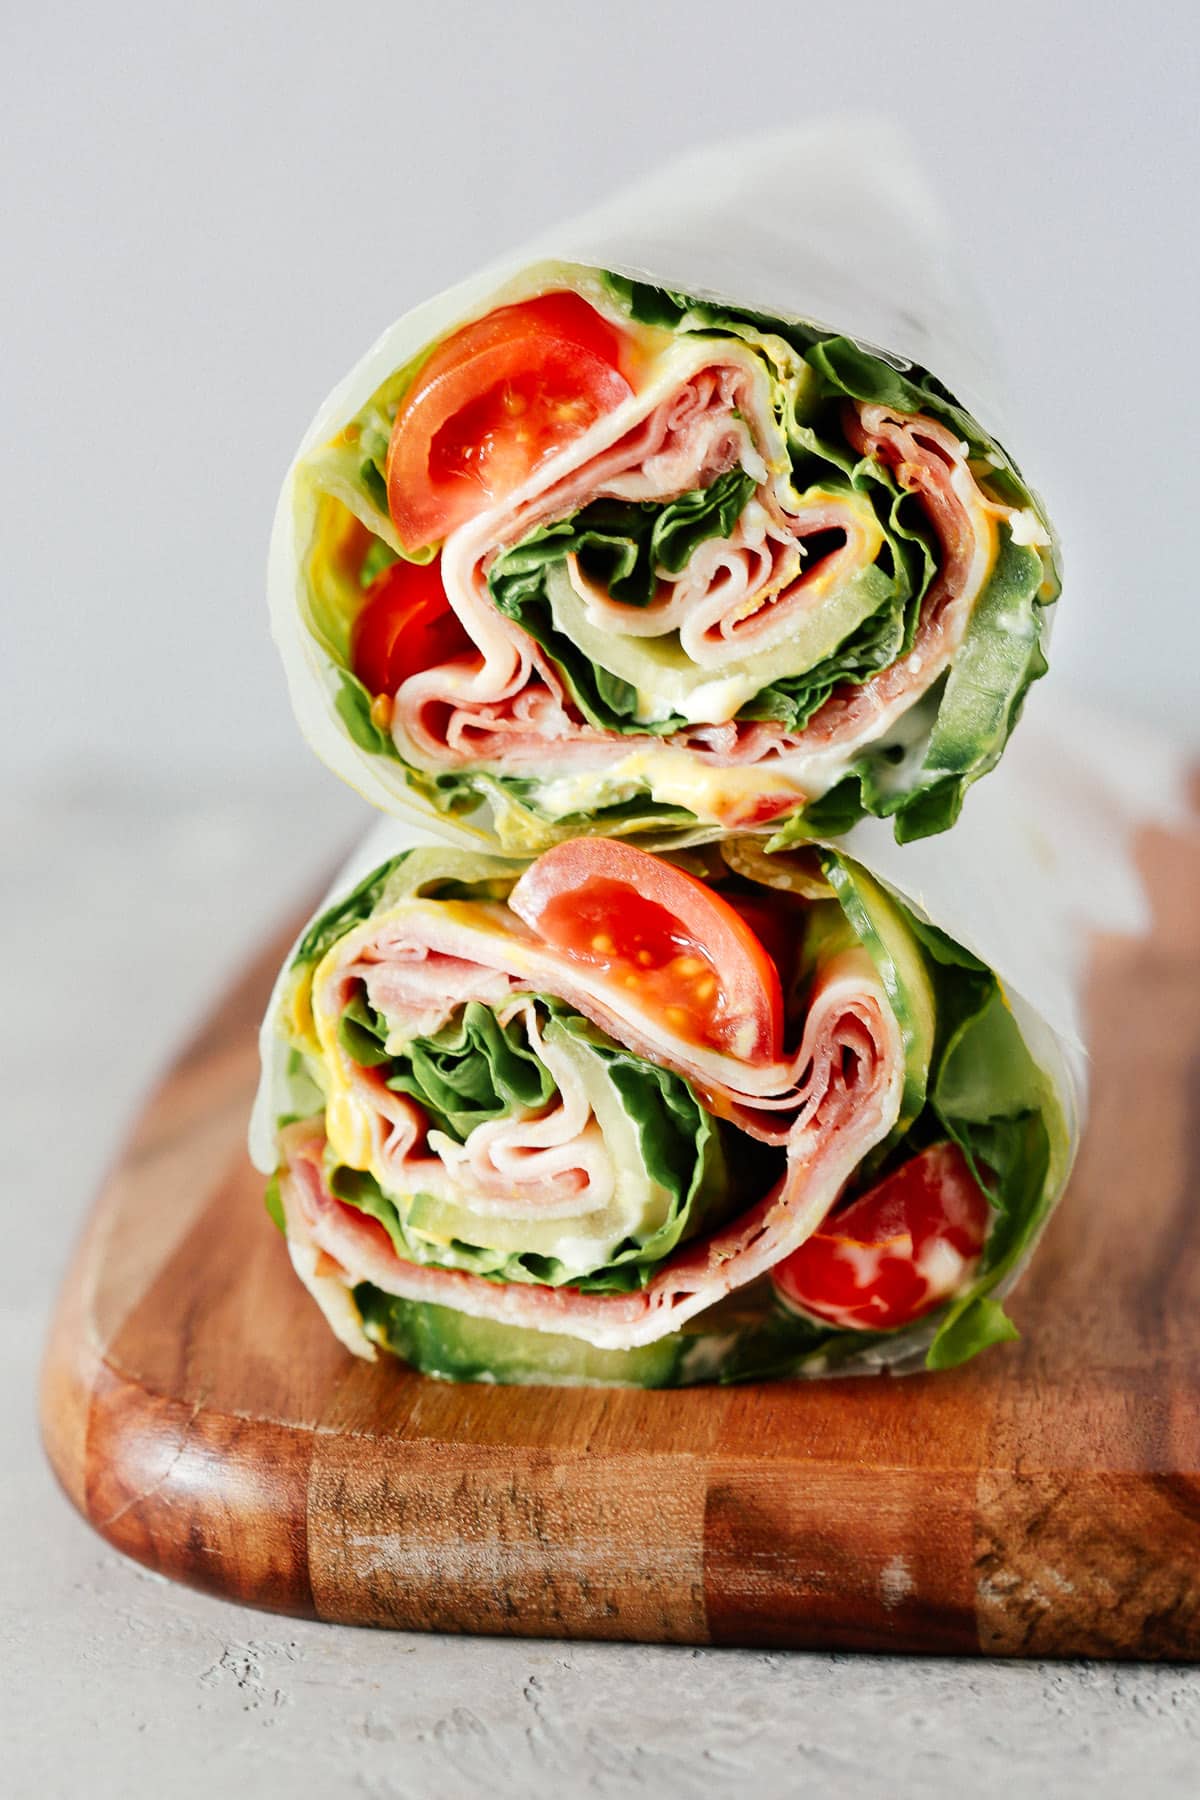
[(1042, 1501)]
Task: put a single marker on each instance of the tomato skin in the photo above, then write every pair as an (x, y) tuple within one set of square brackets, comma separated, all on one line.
[(667, 937), (406, 625), (492, 401), (897, 1251)]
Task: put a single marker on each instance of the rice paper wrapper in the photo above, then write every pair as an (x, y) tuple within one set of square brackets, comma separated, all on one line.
[(831, 223)]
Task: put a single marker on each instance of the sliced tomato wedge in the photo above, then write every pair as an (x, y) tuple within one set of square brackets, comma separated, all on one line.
[(682, 951), (494, 400), (406, 625), (896, 1252)]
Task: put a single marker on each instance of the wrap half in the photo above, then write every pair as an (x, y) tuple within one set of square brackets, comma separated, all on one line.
[(655, 1119), (601, 552)]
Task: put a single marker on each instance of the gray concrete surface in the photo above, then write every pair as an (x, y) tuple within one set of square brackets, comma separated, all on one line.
[(120, 913)]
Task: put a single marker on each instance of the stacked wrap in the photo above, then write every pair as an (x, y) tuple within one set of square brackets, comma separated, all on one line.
[(628, 587)]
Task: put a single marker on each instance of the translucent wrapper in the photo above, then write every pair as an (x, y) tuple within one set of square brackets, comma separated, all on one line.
[(830, 226), (997, 890)]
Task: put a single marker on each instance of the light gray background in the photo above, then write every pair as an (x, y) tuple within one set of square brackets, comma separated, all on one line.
[(212, 210), (207, 213)]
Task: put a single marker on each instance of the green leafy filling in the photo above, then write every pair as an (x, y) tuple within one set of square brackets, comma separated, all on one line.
[(621, 545), (474, 1070), (471, 1071)]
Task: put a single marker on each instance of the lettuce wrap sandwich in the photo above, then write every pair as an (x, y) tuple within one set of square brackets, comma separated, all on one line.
[(622, 538), (613, 1116)]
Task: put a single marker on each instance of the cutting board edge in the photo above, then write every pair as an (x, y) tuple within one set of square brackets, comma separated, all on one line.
[(118, 1451), (128, 1458)]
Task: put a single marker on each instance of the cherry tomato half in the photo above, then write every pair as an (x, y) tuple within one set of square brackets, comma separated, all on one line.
[(493, 401), (406, 625), (681, 950), (897, 1251)]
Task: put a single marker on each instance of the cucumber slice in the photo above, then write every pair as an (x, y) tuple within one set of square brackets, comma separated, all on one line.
[(669, 684), (747, 1337), (452, 1345), (884, 932)]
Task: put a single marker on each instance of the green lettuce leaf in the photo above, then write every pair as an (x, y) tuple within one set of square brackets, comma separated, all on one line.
[(1000, 659), (475, 1070), (332, 925), (273, 1202), (353, 708), (968, 1329), (472, 1071), (621, 545)]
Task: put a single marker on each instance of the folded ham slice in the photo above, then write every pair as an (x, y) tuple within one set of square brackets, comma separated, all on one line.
[(735, 596), (827, 1104)]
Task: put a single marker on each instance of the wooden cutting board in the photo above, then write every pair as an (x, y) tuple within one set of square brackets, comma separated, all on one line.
[(1043, 1501)]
